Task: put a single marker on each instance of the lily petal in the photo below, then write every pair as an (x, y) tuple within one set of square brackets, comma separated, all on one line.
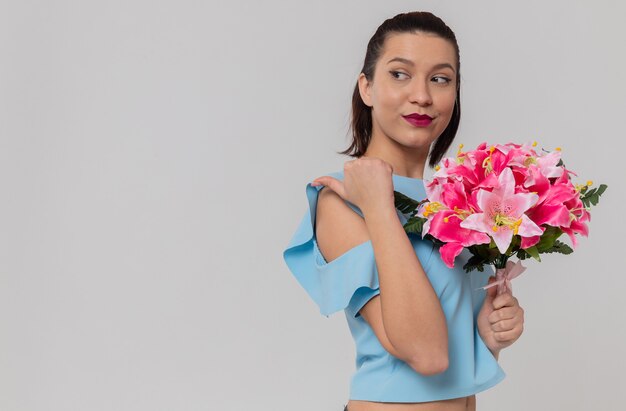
[(449, 252), (502, 238)]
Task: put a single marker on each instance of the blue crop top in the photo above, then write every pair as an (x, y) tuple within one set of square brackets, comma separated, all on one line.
[(351, 280)]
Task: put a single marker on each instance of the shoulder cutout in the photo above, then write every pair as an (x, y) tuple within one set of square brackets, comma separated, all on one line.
[(339, 228)]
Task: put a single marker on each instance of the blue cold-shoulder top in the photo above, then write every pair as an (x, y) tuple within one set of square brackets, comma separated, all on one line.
[(351, 280)]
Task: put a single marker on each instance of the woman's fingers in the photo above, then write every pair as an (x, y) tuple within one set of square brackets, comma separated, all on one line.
[(509, 336), (505, 325), (505, 313), (504, 300), (332, 183)]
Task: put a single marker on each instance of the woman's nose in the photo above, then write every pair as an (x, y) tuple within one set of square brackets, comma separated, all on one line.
[(420, 94)]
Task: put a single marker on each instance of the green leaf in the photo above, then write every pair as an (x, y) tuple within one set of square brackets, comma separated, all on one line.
[(534, 253), (405, 204), (481, 251), (560, 247), (475, 262), (592, 196), (415, 225), (548, 238), (434, 240), (522, 254)]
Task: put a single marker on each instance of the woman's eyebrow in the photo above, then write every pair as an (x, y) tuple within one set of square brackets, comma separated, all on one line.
[(410, 63)]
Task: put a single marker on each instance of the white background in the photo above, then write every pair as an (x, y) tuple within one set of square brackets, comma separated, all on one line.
[(153, 163)]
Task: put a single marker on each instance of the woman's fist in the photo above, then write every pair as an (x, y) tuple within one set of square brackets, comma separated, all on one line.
[(500, 320)]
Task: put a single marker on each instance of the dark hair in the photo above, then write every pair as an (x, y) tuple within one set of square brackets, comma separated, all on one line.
[(361, 122)]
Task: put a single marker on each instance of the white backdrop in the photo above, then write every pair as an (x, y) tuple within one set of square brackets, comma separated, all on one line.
[(153, 163)]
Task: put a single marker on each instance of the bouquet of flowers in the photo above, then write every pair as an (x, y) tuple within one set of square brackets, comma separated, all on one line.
[(498, 201)]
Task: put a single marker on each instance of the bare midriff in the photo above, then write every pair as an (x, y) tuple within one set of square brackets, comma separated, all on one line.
[(455, 404)]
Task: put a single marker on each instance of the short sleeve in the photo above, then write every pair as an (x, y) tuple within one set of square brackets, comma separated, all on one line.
[(347, 282)]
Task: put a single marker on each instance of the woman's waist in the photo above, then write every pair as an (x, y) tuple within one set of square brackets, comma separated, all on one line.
[(455, 404)]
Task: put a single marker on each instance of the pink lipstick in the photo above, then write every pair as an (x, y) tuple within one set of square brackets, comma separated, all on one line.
[(418, 120)]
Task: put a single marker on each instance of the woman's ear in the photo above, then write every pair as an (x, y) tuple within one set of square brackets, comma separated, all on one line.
[(364, 90)]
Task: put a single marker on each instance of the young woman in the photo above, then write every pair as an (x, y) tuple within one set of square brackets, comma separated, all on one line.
[(426, 338)]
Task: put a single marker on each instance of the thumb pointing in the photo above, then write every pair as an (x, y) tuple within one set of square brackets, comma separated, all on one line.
[(332, 183)]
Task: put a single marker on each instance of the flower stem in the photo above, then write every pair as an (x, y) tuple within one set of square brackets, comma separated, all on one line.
[(500, 261)]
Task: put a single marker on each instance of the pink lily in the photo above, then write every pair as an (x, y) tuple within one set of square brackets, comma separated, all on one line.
[(447, 208), (503, 212), (548, 164)]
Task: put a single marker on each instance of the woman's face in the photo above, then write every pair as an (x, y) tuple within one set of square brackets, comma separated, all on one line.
[(415, 74)]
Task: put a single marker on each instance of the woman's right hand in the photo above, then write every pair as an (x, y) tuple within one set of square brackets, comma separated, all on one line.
[(367, 183)]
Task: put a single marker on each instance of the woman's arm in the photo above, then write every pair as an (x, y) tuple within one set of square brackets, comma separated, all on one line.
[(407, 316)]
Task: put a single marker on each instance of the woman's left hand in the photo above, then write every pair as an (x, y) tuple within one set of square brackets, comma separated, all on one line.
[(500, 320)]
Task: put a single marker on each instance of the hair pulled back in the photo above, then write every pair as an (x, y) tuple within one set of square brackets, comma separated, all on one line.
[(361, 121)]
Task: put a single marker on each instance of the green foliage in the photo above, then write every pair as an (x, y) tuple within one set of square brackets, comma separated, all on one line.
[(405, 204), (522, 254), (488, 254), (474, 263), (591, 197), (559, 247), (481, 255), (409, 206), (548, 238), (533, 252), (415, 225), (548, 243), (434, 240)]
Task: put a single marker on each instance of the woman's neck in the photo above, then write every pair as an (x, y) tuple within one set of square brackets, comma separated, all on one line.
[(405, 162)]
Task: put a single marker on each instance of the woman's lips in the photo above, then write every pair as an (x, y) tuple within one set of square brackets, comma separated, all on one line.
[(418, 120)]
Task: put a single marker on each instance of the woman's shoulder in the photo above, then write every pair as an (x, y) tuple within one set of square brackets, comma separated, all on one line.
[(340, 225)]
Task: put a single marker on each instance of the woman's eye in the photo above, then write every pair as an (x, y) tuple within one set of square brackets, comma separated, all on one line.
[(441, 79), (398, 74)]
